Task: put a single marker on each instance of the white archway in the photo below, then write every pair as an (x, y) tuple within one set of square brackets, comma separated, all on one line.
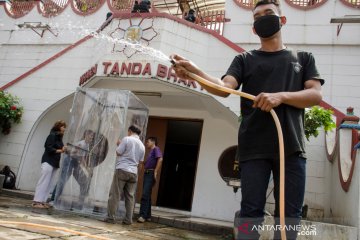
[(29, 170)]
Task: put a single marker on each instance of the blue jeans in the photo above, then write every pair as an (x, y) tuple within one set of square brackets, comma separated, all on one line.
[(255, 176), (66, 171), (71, 167), (145, 208)]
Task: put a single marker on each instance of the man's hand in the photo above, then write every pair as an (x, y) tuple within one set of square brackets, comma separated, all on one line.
[(308, 97), (118, 142), (267, 101), (182, 66), (61, 150), (66, 149)]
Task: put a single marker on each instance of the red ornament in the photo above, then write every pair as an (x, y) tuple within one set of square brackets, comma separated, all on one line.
[(13, 107)]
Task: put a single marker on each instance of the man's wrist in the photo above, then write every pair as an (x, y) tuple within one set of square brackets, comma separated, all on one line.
[(284, 97)]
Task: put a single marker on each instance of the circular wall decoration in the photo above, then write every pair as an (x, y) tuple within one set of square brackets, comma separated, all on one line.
[(331, 141), (86, 7), (228, 167), (347, 156), (351, 3), (246, 4), (305, 4), (347, 139), (130, 34), (299, 4), (51, 8)]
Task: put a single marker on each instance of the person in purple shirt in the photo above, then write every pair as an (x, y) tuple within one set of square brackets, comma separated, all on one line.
[(152, 166)]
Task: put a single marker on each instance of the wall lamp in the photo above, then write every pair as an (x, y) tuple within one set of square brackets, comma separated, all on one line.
[(148, 94)]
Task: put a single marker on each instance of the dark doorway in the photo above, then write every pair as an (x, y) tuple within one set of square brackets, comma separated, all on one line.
[(179, 165)]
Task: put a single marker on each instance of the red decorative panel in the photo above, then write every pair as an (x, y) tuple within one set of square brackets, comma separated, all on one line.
[(305, 4), (121, 5), (351, 3), (246, 4), (51, 8), (17, 9), (86, 7), (299, 4)]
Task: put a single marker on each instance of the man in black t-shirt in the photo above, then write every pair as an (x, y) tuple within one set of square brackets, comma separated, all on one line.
[(281, 79)]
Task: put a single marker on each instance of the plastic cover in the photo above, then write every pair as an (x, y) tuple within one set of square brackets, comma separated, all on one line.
[(99, 117)]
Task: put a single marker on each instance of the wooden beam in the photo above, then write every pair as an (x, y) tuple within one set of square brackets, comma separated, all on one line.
[(346, 19)]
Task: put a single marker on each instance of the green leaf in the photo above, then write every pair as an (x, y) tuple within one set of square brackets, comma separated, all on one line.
[(11, 111), (315, 118)]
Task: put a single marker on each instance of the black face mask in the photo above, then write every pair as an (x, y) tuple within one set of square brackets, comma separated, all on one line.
[(266, 26)]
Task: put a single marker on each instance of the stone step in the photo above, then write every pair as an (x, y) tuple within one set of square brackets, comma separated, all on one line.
[(314, 230), (327, 231)]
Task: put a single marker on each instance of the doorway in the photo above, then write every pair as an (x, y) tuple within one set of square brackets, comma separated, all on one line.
[(177, 180), (179, 141)]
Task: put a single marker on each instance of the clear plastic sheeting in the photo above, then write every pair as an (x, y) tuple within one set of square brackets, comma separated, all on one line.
[(99, 117)]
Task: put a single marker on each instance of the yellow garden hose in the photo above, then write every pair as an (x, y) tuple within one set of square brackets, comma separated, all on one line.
[(54, 228), (280, 137)]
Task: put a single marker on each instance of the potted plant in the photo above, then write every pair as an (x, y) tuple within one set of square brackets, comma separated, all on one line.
[(11, 111), (316, 117)]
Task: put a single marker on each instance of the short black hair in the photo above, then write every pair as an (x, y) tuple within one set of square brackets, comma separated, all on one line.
[(263, 2), (135, 129), (153, 139)]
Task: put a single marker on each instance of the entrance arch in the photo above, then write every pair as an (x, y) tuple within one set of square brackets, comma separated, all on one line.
[(29, 170), (171, 104)]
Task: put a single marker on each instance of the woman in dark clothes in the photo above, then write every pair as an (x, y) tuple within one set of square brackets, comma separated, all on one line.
[(50, 163)]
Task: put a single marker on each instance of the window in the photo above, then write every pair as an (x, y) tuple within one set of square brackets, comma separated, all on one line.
[(352, 3), (299, 4), (306, 4), (247, 4)]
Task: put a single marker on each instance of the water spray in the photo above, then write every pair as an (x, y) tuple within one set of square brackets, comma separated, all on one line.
[(280, 139)]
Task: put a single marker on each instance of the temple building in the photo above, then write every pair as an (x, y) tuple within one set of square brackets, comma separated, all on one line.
[(50, 49)]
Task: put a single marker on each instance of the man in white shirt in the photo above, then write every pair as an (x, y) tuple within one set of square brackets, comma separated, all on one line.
[(130, 152)]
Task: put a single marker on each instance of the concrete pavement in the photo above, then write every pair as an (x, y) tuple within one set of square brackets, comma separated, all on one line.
[(18, 220)]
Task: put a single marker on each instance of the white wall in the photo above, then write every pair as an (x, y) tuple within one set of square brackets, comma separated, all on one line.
[(315, 191), (212, 197), (303, 27), (38, 92), (21, 48), (206, 51)]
